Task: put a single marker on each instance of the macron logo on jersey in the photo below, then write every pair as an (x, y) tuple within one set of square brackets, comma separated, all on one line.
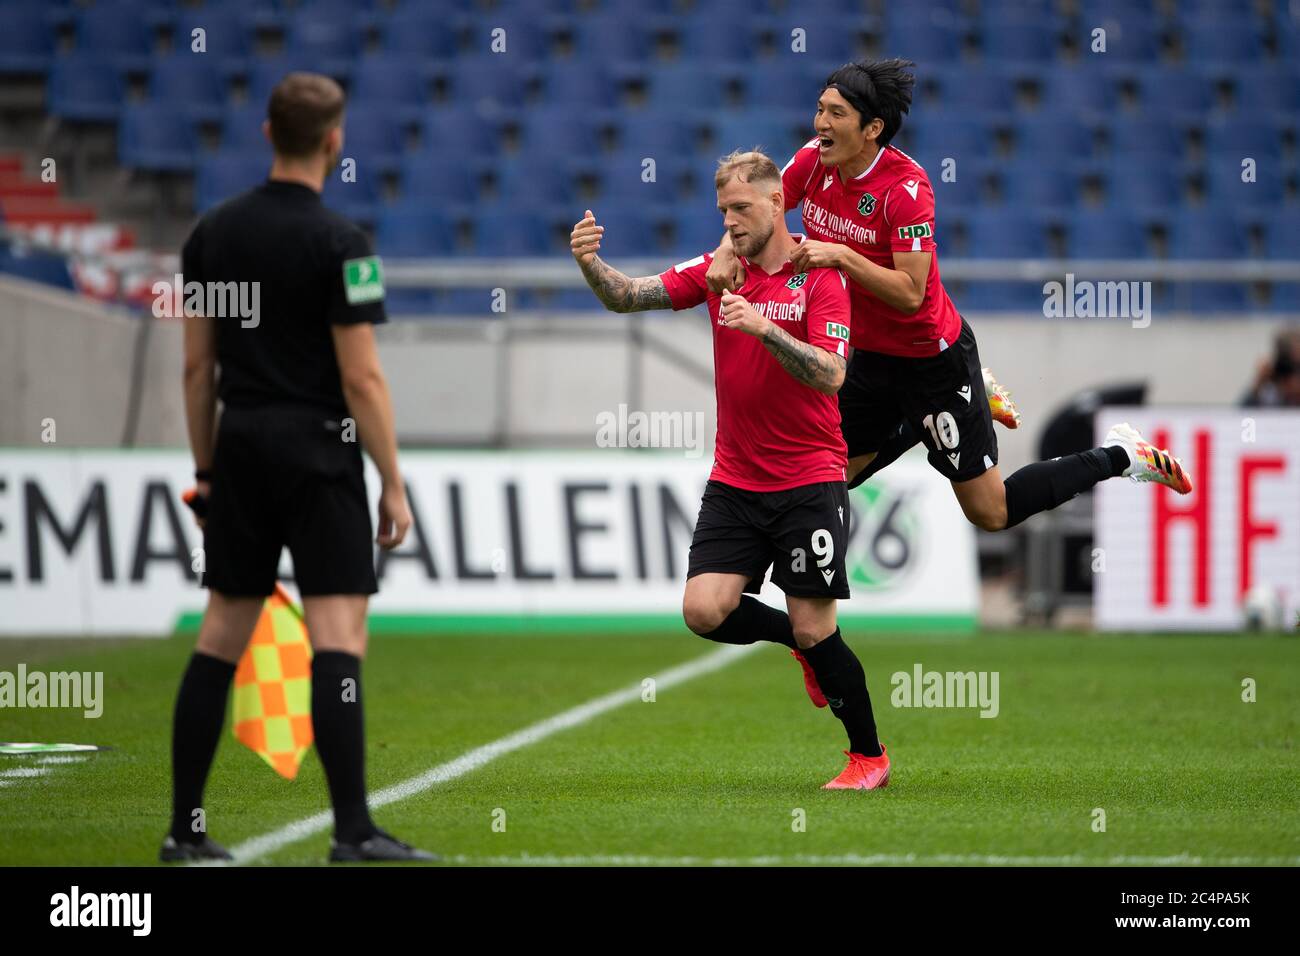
[(911, 186)]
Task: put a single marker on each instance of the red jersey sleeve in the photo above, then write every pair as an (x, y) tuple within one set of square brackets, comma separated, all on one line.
[(685, 283), (829, 311), (799, 173), (909, 215)]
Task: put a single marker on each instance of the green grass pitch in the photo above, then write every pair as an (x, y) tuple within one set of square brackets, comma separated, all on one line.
[(1150, 729)]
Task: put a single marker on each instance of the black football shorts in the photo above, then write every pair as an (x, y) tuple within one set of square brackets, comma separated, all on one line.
[(941, 396), (284, 477), (801, 533)]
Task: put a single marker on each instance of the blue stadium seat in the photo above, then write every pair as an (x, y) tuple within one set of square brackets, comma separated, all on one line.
[(1149, 136), (188, 81), (999, 296), (658, 134), (1163, 91), (1225, 39), (454, 129), (85, 88), (241, 129), (560, 132), (825, 39), (1244, 135), (442, 175), (27, 40), (227, 35), (1282, 238), (1034, 40), (1285, 297), (622, 180), (790, 89), (1267, 88), (514, 231), (265, 74), (1005, 234), (967, 189), (553, 177), (1225, 187), (1210, 297), (375, 137), (1036, 184), (329, 37), (963, 88), (937, 40), (1069, 90), (358, 200), (778, 132), (1138, 181), (698, 84), (222, 175), (122, 32), (1053, 138), (1109, 234), (1206, 234), (410, 230), (527, 37), (1133, 35), (607, 37), (410, 302), (157, 138), (934, 136), (716, 35), (488, 83), (419, 33), (695, 231), (391, 81), (589, 85)]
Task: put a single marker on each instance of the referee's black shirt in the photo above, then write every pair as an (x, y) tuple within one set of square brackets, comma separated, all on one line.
[(307, 260)]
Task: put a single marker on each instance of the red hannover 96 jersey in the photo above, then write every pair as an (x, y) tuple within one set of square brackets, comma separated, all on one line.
[(774, 432), (888, 208)]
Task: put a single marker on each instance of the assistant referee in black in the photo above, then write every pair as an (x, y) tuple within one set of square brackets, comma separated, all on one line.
[(299, 381)]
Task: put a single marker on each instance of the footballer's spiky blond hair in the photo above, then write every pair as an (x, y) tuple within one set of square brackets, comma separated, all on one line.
[(749, 166)]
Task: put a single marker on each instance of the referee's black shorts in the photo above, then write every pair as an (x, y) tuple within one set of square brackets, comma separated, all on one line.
[(284, 477)]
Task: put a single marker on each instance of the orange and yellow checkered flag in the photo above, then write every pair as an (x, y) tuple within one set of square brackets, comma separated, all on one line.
[(273, 687)]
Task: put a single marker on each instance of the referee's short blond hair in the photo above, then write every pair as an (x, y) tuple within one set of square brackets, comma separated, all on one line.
[(749, 166)]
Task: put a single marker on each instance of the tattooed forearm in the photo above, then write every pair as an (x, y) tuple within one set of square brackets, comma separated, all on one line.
[(623, 294), (811, 365)]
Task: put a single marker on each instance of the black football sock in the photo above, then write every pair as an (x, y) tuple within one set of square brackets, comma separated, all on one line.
[(338, 723), (841, 678), (1046, 484), (890, 451), (752, 621), (196, 728)]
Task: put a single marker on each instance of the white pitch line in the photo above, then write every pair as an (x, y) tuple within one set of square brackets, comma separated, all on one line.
[(268, 843), (874, 859), (56, 759), (24, 772)]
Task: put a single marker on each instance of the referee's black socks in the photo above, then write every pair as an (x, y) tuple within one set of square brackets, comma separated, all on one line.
[(752, 621), (841, 678), (338, 723), (196, 729), (1046, 484)]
